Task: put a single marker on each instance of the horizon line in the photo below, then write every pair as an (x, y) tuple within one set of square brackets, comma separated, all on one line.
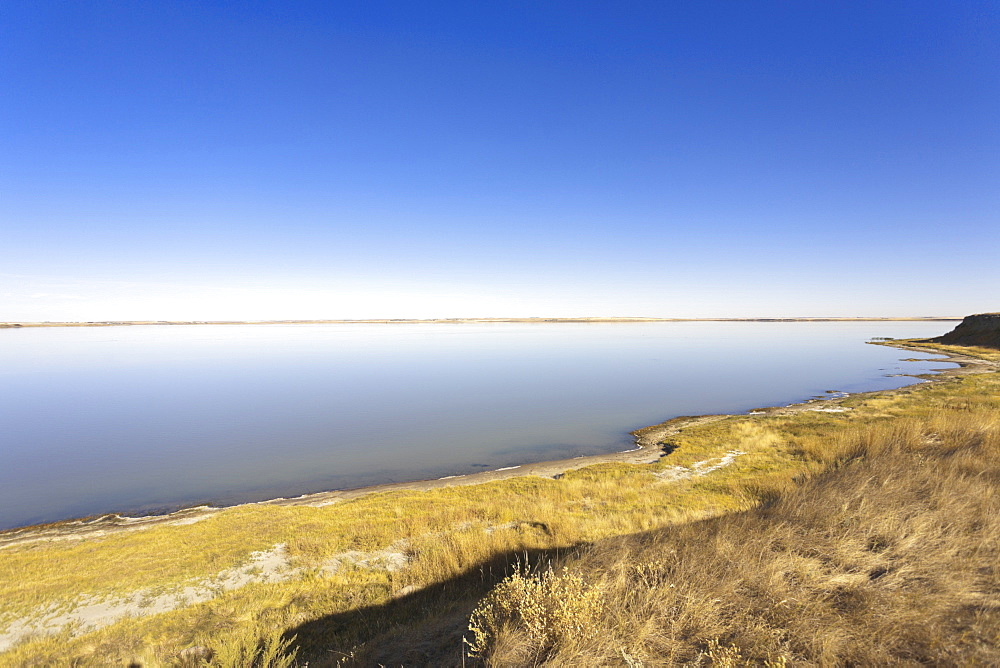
[(458, 320)]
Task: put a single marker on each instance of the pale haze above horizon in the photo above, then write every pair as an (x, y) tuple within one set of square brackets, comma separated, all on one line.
[(315, 160)]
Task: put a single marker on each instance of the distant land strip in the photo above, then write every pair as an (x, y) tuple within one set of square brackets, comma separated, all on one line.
[(120, 323)]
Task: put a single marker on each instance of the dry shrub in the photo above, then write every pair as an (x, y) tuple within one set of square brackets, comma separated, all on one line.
[(528, 614), (265, 649)]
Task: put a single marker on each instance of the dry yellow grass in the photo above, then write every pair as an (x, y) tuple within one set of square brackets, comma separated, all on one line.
[(892, 555)]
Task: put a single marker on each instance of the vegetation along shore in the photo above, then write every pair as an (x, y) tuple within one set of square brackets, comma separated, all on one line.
[(859, 530)]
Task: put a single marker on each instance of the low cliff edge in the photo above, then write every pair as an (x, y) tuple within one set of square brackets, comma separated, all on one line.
[(982, 329)]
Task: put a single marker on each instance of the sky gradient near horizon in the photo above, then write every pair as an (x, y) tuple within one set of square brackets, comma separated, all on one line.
[(259, 160)]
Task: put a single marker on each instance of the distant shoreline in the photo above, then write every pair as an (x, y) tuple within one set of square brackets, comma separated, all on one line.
[(123, 323)]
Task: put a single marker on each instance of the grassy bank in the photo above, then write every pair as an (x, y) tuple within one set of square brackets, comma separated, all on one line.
[(395, 577), (891, 555)]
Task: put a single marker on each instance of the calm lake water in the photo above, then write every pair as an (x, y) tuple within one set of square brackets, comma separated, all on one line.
[(143, 419)]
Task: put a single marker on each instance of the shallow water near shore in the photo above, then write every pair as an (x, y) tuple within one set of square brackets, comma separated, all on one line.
[(142, 419)]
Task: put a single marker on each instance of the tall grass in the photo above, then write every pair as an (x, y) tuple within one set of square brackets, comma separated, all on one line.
[(891, 555)]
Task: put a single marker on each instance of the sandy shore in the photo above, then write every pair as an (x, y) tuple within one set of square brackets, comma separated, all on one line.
[(649, 448)]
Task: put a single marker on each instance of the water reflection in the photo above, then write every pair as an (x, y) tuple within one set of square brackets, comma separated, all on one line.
[(134, 418)]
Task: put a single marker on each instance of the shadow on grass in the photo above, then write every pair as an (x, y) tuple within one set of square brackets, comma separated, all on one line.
[(422, 628)]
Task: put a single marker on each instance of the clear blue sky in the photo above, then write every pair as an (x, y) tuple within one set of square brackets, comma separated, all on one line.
[(199, 160)]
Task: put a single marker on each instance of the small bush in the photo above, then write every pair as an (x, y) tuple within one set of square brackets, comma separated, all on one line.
[(267, 649), (548, 608)]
